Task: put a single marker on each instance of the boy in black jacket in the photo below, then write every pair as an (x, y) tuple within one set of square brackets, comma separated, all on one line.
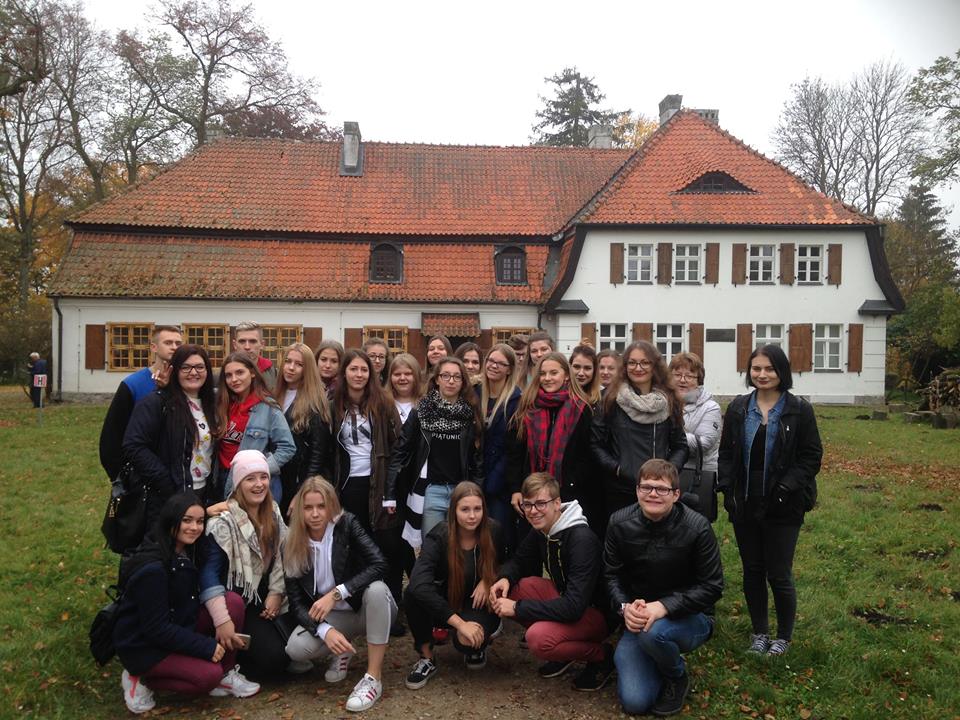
[(564, 624)]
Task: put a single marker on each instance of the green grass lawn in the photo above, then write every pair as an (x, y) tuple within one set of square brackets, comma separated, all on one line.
[(878, 587)]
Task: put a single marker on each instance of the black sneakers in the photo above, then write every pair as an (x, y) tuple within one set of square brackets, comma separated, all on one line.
[(421, 674), (595, 674), (476, 660), (554, 668), (673, 692)]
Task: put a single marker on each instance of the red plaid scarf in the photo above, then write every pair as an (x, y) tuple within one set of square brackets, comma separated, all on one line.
[(546, 444)]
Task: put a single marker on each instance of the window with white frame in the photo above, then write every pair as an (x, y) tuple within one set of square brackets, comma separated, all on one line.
[(768, 335), (809, 264), (827, 346), (669, 340), (686, 264), (613, 336), (640, 263), (761, 264)]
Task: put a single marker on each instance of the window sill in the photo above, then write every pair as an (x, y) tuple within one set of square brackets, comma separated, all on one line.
[(827, 370), (513, 284), (761, 282), (808, 283), (687, 282), (639, 282)]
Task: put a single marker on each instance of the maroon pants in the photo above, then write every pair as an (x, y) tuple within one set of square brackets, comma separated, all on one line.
[(196, 676), (550, 640)]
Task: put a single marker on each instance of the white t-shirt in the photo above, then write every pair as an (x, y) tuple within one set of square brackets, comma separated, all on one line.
[(321, 554), (356, 437)]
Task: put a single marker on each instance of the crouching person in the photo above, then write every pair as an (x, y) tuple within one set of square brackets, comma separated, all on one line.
[(334, 577), (562, 614), (663, 574)]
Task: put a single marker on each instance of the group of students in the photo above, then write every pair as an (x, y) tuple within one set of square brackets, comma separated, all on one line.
[(472, 477)]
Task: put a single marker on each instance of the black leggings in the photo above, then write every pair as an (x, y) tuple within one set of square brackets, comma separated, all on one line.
[(267, 656), (421, 624), (766, 552), (355, 498)]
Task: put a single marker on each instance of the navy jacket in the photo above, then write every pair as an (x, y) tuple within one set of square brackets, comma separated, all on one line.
[(495, 482)]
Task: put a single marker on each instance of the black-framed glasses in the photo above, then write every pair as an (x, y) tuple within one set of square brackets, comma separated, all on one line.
[(642, 364), (540, 505), (684, 376), (450, 377), (497, 363), (658, 490), (377, 356), (188, 369)]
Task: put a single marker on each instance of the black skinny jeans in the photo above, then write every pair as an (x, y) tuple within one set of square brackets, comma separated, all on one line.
[(766, 552), (421, 624)]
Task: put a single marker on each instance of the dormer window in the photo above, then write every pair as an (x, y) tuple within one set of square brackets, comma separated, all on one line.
[(386, 263), (716, 182), (511, 266)]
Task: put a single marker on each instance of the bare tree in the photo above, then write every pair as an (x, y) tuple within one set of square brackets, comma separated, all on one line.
[(23, 57), (227, 64)]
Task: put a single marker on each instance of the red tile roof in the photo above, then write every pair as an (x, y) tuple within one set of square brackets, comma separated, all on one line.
[(450, 324), (292, 187), (135, 265), (647, 191)]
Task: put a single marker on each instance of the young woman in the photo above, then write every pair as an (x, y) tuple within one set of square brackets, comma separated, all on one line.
[(307, 411), (640, 418), (438, 347), (472, 357), (329, 356), (520, 344), (551, 433), (770, 455), (334, 574), (242, 554), (163, 635), (583, 364), (366, 426), (608, 367), (405, 386), (376, 349), (248, 418), (451, 582), (441, 440), (499, 398)]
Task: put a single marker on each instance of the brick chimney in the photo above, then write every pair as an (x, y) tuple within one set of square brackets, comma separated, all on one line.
[(668, 106), (600, 136), (351, 155)]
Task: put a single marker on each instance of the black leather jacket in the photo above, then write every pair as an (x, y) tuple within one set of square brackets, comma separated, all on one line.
[(314, 456), (357, 562), (675, 561), (414, 446), (791, 485)]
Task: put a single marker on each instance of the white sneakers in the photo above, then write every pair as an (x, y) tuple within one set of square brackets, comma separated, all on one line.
[(234, 683), (137, 696), (337, 670), (365, 694)]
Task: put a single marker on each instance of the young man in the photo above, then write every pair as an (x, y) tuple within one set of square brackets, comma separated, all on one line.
[(248, 338), (540, 344), (561, 615), (133, 388), (663, 573)]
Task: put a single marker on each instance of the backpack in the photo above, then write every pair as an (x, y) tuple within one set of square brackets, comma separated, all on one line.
[(101, 630)]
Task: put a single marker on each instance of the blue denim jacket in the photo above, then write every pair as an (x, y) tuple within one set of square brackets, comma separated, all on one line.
[(751, 422), (267, 428)]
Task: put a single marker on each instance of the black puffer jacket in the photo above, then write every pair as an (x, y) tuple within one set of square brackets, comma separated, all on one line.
[(791, 483), (357, 562), (675, 561)]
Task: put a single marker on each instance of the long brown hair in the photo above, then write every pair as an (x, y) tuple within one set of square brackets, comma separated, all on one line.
[(311, 398), (661, 379), (296, 549), (467, 393), (226, 396), (264, 521), (374, 402), (529, 397), (486, 557), (592, 390)]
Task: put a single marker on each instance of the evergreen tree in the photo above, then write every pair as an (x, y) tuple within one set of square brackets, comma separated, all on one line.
[(567, 117)]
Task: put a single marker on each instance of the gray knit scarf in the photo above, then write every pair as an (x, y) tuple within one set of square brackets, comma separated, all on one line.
[(644, 409)]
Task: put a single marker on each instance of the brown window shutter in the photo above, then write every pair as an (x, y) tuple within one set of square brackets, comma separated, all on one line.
[(231, 339), (855, 348), (352, 338), (739, 275), (744, 346), (417, 347), (588, 331), (712, 276), (95, 346), (834, 264), (643, 331), (696, 339), (616, 263), (801, 347), (787, 255), (486, 340), (664, 263), (312, 336)]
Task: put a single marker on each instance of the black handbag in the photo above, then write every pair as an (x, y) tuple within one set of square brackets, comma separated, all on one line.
[(101, 629), (125, 521), (698, 487)]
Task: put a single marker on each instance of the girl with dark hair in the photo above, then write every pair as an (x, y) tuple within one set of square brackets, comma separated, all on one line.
[(163, 636), (472, 357), (170, 437), (248, 418), (520, 343), (640, 419), (441, 439), (379, 354), (770, 455), (438, 347), (583, 364), (305, 407), (329, 356), (450, 584)]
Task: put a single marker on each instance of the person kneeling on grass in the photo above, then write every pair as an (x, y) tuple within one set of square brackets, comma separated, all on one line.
[(334, 575), (663, 573), (456, 568), (561, 615), (163, 635)]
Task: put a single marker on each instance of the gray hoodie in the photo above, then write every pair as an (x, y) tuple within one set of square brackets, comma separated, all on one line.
[(701, 418)]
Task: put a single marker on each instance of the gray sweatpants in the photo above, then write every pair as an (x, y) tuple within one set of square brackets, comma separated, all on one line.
[(377, 612)]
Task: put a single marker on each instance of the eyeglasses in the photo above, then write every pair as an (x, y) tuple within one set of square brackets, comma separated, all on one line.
[(198, 369), (540, 505), (642, 364), (378, 356), (497, 364), (684, 376), (448, 377), (658, 490)]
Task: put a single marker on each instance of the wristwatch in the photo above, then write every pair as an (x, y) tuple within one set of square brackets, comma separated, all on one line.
[(337, 595)]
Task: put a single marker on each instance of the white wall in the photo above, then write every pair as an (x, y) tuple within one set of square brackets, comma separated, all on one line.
[(726, 305), (333, 318)]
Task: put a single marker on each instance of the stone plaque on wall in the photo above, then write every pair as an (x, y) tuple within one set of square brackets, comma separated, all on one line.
[(721, 335)]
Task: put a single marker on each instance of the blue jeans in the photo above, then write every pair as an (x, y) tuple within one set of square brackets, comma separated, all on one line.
[(644, 658), (436, 504)]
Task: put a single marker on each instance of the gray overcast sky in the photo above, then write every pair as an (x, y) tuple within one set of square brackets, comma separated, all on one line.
[(471, 73)]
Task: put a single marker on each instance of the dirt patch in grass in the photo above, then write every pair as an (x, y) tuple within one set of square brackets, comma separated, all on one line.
[(871, 487), (929, 553), (935, 477), (876, 617), (933, 507)]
